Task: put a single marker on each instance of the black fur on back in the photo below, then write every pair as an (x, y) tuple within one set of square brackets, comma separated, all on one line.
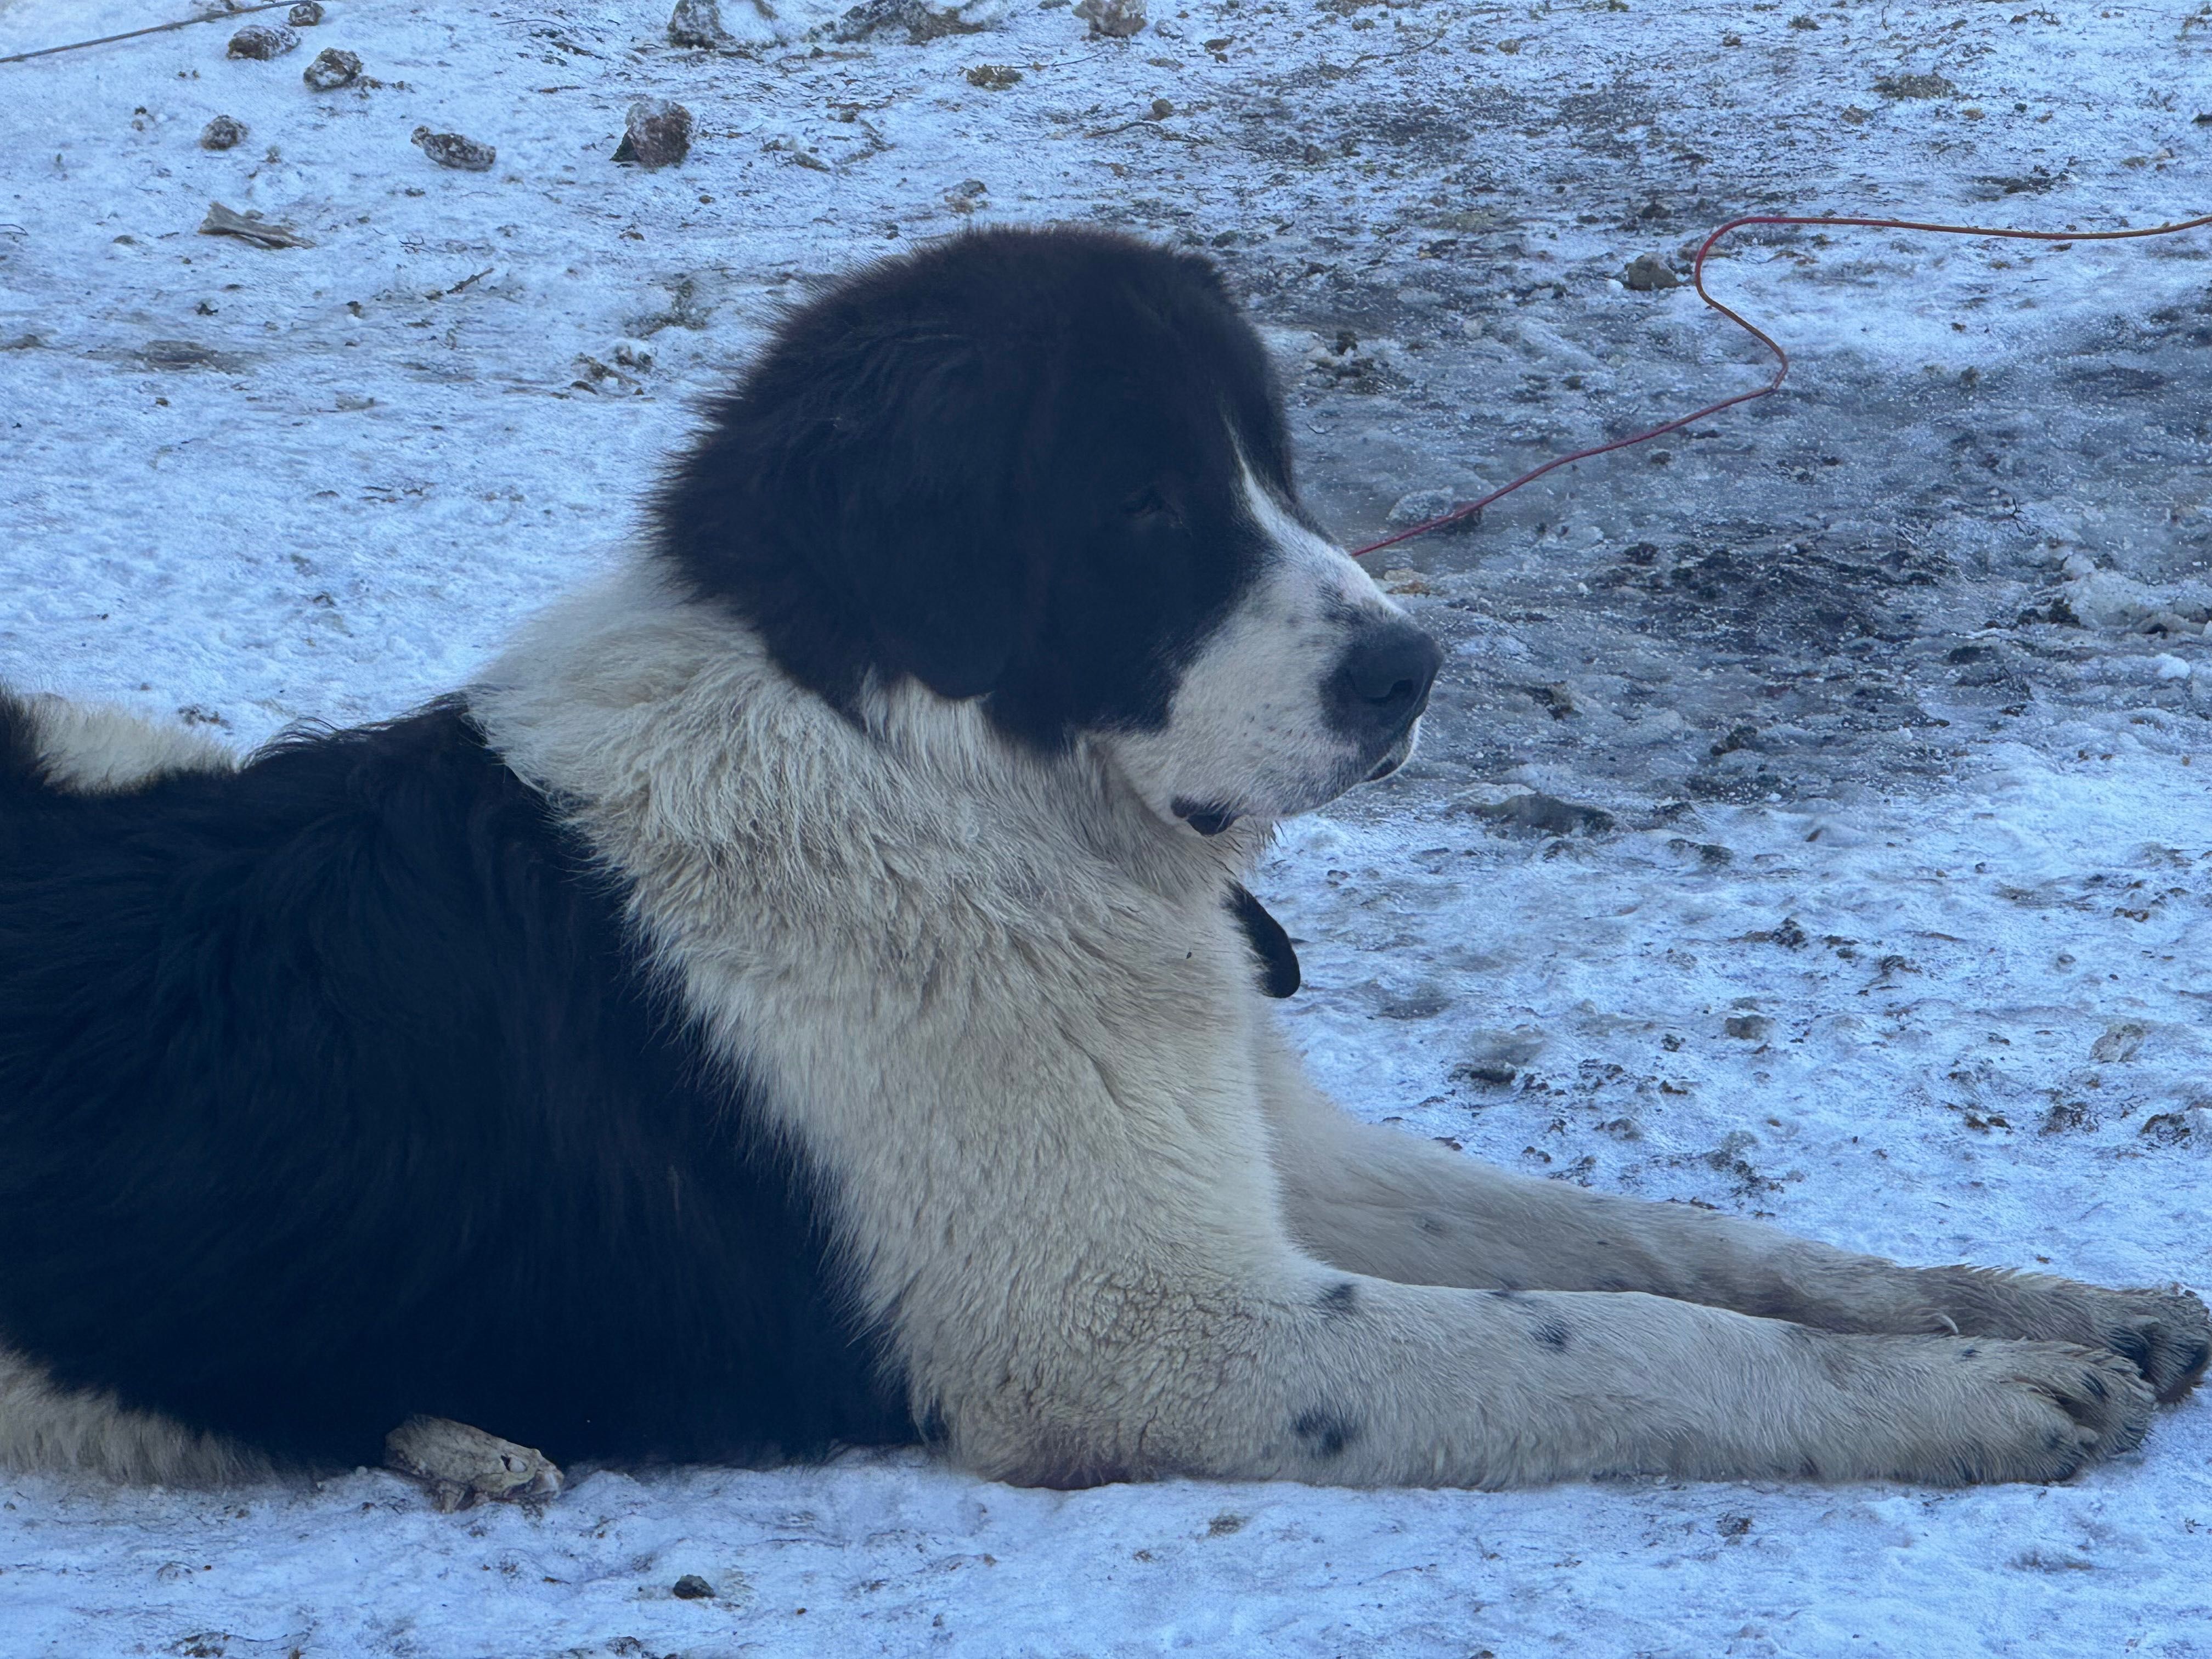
[(331, 1092), (1005, 466)]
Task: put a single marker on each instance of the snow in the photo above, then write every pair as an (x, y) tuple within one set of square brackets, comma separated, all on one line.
[(1890, 688)]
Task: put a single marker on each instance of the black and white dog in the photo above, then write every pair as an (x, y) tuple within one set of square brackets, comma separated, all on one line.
[(803, 995)]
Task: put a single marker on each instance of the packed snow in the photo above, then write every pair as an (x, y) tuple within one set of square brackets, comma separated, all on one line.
[(1816, 820)]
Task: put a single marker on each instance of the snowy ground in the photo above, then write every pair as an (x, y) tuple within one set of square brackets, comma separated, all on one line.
[(1892, 691)]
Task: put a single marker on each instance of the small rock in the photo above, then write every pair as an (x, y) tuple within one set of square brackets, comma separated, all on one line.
[(224, 133), (1117, 20), (1496, 1073), (250, 226), (993, 77), (692, 1587), (1647, 273), (1420, 505), (462, 1466), (450, 149), (922, 23), (333, 68), (1914, 86), (656, 133), (2167, 666), (698, 23), (305, 14), (262, 41), (1544, 815), (2121, 1041), (1162, 108), (1496, 1057), (967, 195), (1749, 1028)]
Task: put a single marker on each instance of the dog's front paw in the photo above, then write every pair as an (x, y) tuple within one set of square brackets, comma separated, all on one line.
[(462, 1466), (2165, 1335), (2026, 1410)]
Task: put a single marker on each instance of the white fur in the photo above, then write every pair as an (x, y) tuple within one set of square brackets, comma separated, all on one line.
[(997, 1001), (96, 749), (45, 1427)]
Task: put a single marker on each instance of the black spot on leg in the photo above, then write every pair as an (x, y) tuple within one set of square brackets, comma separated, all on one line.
[(1325, 1433), (1338, 1299), (1552, 1334)]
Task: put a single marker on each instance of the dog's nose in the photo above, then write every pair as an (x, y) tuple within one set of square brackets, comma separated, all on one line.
[(1383, 683)]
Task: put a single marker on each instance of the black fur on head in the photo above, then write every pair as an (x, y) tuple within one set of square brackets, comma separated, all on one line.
[(1005, 466)]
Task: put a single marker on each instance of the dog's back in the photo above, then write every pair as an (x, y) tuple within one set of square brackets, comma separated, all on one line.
[(330, 1091)]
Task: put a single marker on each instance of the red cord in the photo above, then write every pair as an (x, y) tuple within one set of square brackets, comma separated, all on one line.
[(1468, 509)]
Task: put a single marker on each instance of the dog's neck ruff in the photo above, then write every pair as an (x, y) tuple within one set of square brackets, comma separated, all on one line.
[(660, 724)]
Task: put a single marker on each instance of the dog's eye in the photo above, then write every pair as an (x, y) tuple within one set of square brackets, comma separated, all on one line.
[(1150, 503)]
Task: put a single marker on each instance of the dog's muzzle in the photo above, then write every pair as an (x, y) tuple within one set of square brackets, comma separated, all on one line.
[(1381, 686)]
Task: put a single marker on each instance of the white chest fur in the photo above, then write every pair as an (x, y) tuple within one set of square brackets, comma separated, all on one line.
[(998, 1002)]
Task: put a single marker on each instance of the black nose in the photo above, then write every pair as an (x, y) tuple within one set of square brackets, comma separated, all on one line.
[(1383, 683)]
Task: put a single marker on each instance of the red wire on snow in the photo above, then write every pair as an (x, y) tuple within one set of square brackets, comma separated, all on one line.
[(1468, 509)]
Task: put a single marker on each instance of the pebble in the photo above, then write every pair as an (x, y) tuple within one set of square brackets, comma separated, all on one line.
[(450, 149), (921, 22), (656, 133), (305, 14), (967, 195), (1914, 86), (692, 1587), (224, 133), (262, 41), (1115, 19), (1419, 505), (333, 68), (698, 23), (1647, 273), (1539, 814), (250, 226)]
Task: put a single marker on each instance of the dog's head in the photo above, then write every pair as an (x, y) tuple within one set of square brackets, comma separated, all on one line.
[(1049, 470)]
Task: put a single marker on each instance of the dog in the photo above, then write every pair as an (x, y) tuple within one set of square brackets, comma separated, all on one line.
[(805, 994)]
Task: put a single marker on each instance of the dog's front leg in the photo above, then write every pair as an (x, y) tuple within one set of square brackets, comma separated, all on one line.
[(1302, 1373), (1371, 1198)]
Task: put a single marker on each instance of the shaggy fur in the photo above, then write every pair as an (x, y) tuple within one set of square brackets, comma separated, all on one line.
[(805, 993)]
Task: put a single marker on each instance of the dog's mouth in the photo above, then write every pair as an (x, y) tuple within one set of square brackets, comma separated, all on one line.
[(1400, 754)]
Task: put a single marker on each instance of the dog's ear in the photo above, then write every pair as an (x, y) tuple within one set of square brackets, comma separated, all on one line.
[(914, 467)]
